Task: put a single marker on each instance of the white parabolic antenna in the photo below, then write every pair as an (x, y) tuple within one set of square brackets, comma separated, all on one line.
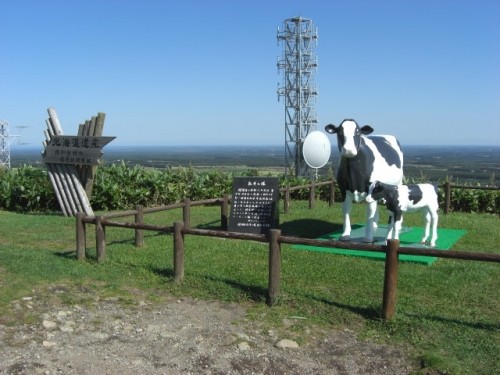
[(316, 149)]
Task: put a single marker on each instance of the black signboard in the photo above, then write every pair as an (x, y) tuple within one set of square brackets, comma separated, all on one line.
[(254, 207)]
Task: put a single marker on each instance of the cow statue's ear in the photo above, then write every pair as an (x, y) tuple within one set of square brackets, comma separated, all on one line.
[(330, 128), (367, 129)]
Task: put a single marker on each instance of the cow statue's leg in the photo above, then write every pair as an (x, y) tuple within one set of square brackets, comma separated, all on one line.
[(371, 216), (375, 219), (346, 210)]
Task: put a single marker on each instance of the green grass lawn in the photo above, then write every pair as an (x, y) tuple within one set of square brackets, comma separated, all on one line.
[(447, 313)]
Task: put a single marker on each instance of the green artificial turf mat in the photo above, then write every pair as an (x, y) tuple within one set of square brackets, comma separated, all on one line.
[(408, 237)]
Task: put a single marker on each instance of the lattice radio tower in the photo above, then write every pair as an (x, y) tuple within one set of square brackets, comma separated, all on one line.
[(298, 66), (5, 141)]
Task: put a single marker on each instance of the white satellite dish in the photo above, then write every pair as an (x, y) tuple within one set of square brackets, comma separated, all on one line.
[(316, 149)]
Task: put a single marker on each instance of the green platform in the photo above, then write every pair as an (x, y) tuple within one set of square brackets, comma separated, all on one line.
[(409, 237)]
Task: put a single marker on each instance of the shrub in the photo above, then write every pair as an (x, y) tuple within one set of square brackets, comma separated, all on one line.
[(122, 187), (475, 200), (27, 189), (119, 187)]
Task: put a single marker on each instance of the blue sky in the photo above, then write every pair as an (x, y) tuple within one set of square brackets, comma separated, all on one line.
[(204, 72)]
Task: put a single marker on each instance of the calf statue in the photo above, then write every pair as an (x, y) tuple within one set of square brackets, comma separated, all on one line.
[(364, 159), (407, 198)]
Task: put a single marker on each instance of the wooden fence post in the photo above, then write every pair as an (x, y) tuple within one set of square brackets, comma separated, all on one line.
[(224, 212), (447, 197), (186, 213), (312, 195), (274, 266), (139, 219), (332, 194), (178, 251), (390, 279), (81, 237), (100, 239)]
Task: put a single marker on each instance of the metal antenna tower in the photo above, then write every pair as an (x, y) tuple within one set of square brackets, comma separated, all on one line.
[(5, 141), (298, 63)]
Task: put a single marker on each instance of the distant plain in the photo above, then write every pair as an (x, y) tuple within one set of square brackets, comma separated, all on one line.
[(459, 164)]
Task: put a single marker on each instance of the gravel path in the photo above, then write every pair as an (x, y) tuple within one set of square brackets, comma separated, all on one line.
[(178, 337)]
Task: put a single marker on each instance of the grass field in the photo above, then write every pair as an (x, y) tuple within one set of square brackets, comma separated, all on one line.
[(447, 314)]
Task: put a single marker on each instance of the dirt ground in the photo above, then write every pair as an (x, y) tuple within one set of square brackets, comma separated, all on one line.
[(181, 336)]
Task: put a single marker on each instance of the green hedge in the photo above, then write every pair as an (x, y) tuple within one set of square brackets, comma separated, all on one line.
[(26, 189), (119, 187)]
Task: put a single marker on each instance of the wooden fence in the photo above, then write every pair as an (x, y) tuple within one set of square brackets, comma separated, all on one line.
[(447, 186), (312, 193), (274, 239), (447, 192)]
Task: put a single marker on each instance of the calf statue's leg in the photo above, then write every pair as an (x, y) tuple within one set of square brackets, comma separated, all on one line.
[(427, 218), (434, 222), (390, 226), (397, 227), (395, 224)]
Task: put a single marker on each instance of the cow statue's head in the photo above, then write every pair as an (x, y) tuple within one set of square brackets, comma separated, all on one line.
[(378, 191), (348, 136)]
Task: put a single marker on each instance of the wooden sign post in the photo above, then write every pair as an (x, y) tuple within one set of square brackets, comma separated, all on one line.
[(71, 162), (254, 207)]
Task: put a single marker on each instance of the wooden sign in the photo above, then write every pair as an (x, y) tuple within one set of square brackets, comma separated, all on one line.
[(76, 150), (72, 161), (254, 207)]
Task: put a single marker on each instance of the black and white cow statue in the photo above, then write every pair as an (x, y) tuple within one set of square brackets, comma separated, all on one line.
[(408, 198), (363, 160)]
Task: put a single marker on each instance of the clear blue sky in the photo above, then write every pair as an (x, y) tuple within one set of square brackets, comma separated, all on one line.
[(204, 72)]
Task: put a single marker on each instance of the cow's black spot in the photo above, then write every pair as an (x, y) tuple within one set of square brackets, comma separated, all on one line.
[(415, 194), (387, 150)]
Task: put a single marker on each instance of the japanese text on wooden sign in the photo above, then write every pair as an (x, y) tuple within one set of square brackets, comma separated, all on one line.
[(254, 206), (84, 150)]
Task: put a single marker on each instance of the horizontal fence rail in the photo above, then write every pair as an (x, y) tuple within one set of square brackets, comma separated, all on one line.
[(273, 238), (447, 186), (285, 191), (447, 192)]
